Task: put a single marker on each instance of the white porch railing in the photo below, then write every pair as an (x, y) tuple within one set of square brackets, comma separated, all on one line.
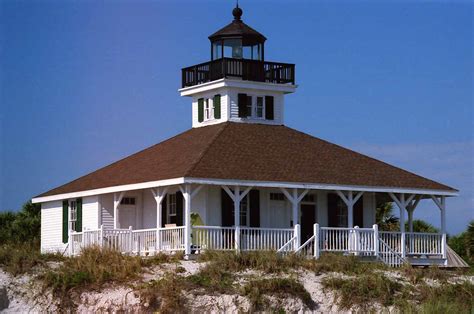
[(264, 239), (347, 240), (251, 239), (144, 241), (424, 243), (393, 248), (171, 239), (213, 238), (392, 240)]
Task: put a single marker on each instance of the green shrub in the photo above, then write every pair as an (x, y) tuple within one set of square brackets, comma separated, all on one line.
[(257, 290)]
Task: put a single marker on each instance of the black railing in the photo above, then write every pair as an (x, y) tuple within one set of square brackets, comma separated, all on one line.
[(248, 70)]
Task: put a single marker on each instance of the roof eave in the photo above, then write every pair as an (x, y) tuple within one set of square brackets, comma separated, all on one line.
[(268, 184)]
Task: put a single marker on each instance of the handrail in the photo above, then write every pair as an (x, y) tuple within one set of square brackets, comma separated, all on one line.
[(286, 244), (305, 244), (245, 69)]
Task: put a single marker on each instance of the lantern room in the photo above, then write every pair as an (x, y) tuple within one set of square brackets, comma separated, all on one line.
[(237, 40)]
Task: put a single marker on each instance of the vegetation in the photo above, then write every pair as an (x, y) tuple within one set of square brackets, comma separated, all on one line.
[(463, 243), (363, 290), (23, 257), (385, 218), (165, 295), (21, 227), (95, 266), (20, 239), (257, 290)]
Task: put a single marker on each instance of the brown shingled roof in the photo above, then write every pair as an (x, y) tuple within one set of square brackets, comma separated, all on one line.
[(240, 151)]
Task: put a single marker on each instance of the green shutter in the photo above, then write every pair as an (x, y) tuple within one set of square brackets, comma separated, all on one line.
[(200, 109), (242, 103), (79, 215), (217, 106), (65, 221), (269, 108)]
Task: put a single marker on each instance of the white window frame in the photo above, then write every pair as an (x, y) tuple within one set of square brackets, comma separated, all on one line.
[(208, 109), (244, 211), (256, 107), (72, 214), (171, 210)]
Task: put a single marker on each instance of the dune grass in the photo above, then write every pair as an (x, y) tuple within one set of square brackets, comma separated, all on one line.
[(20, 258), (257, 291)]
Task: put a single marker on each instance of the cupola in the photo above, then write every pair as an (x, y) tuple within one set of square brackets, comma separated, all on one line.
[(238, 84)]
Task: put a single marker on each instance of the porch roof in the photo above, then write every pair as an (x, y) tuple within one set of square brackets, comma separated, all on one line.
[(253, 152)]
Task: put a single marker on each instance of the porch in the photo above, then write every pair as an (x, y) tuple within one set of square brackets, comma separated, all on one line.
[(310, 221)]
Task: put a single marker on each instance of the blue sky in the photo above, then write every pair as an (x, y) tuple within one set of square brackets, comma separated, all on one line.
[(85, 83)]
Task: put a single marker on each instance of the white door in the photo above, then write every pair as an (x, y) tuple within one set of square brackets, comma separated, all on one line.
[(127, 216)]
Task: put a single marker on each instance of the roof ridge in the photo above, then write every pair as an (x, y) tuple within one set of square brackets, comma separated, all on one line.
[(201, 155), (371, 158)]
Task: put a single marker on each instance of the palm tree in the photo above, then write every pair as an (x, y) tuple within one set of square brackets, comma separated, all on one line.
[(470, 239), (385, 218)]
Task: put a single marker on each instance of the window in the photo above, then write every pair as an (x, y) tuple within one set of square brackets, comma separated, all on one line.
[(207, 110), (249, 106), (277, 197), (171, 205), (308, 198), (244, 207), (341, 214), (127, 201), (259, 108), (256, 107), (72, 215)]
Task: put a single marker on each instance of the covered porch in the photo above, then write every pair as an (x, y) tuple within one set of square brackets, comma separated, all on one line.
[(309, 220)]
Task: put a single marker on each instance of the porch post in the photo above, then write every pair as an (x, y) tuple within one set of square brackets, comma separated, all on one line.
[(443, 225), (376, 240), (237, 217), (350, 211), (159, 194), (294, 203), (187, 219), (410, 219), (402, 224), (316, 240), (117, 199)]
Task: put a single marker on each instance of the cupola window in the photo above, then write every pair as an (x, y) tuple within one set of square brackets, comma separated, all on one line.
[(207, 110), (258, 107)]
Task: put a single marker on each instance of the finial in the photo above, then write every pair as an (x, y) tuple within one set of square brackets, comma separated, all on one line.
[(237, 12)]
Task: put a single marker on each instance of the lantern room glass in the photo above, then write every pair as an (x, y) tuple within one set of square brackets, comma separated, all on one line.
[(235, 49)]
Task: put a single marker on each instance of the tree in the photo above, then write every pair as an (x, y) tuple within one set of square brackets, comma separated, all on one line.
[(422, 226), (470, 240), (24, 226), (384, 217)]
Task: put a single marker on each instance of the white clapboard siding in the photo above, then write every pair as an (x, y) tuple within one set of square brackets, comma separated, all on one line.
[(107, 210), (90, 212), (51, 227), (278, 102)]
